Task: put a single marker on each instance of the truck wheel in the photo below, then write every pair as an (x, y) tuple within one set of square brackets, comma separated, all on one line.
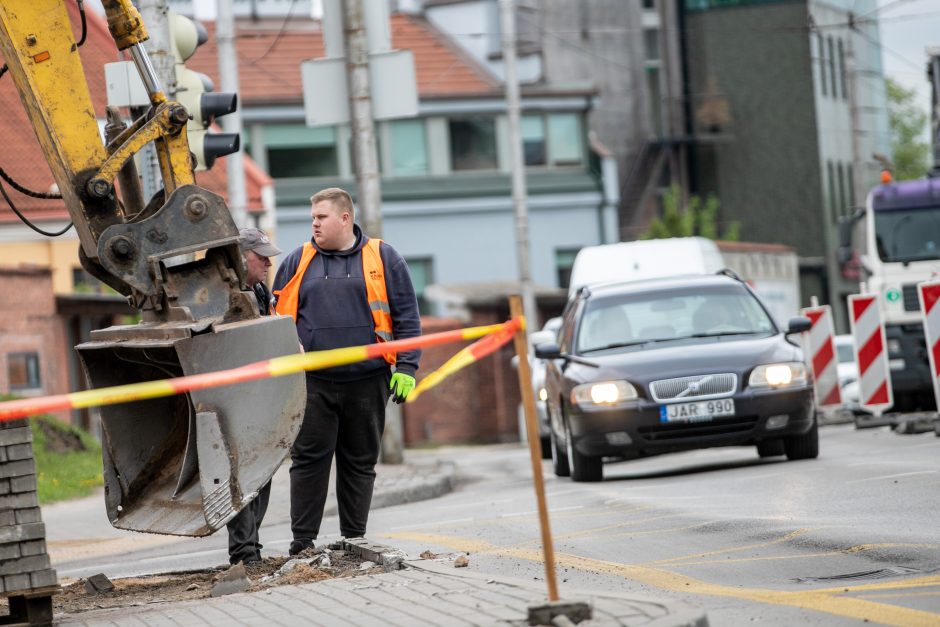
[(804, 446), (770, 448), (583, 467)]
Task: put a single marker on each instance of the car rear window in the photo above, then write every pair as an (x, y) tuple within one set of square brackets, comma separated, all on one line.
[(663, 316)]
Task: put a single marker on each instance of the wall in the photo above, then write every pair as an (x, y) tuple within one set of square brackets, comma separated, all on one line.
[(478, 404), (29, 324), (59, 254)]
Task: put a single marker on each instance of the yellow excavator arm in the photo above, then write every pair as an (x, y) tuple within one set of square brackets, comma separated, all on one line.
[(184, 465)]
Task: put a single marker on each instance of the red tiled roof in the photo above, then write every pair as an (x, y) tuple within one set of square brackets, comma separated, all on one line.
[(269, 58), (22, 158)]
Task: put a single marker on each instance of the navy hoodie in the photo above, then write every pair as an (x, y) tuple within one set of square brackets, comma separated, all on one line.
[(333, 310)]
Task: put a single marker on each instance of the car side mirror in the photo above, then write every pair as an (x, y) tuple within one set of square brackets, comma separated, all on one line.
[(547, 351), (799, 324)]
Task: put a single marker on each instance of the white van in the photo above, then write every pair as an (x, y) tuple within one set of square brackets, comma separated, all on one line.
[(644, 259)]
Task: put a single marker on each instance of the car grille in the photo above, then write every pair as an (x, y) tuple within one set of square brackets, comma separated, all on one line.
[(693, 430), (694, 388)]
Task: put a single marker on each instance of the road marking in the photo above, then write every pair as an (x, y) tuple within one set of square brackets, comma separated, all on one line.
[(452, 521), (749, 547), (551, 510), (829, 600), (903, 474)]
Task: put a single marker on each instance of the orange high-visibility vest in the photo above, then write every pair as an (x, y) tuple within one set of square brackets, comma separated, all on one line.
[(373, 270)]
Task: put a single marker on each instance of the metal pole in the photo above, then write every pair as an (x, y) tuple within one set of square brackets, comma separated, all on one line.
[(159, 49), (365, 155), (519, 199), (535, 452), (231, 123)]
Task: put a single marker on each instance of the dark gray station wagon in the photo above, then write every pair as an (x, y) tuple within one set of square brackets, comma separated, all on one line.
[(667, 365)]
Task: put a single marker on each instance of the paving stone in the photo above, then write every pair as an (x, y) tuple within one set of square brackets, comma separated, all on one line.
[(16, 582), (15, 432), (19, 451), (18, 468), (24, 564), (28, 515), (44, 578), (26, 483), (18, 533), (10, 550), (32, 547)]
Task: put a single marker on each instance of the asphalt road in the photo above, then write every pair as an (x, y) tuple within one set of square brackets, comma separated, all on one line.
[(848, 538)]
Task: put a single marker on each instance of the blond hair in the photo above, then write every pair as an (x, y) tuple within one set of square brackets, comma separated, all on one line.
[(339, 197)]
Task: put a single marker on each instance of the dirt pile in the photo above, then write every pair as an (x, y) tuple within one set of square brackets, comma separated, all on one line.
[(186, 586)]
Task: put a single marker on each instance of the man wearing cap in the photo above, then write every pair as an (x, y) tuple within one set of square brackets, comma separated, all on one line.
[(243, 545)]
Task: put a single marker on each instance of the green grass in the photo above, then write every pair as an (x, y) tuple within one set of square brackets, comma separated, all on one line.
[(64, 474)]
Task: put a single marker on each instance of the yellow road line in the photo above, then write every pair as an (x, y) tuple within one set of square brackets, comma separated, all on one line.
[(831, 600)]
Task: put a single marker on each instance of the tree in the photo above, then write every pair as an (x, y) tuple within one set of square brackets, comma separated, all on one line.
[(698, 217), (908, 124)]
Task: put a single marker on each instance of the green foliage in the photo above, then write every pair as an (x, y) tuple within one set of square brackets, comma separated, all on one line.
[(698, 217), (68, 460), (908, 123)]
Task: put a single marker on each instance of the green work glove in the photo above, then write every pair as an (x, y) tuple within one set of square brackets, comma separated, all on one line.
[(401, 386)]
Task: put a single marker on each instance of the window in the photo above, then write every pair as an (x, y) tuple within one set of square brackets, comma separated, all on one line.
[(23, 371), (565, 139), (851, 182), (84, 283), (409, 148), (656, 99), (473, 143), (651, 44), (842, 195), (296, 150), (832, 68), (833, 208), (422, 275), (533, 139), (564, 260), (845, 92), (823, 79)]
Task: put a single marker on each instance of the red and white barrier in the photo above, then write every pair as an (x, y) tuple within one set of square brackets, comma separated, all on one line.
[(929, 295), (871, 353), (819, 345)]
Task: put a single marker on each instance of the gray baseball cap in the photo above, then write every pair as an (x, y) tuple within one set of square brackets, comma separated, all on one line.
[(256, 240)]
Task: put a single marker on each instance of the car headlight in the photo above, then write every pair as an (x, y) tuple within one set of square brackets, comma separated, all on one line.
[(543, 394), (778, 375), (894, 346), (602, 393)]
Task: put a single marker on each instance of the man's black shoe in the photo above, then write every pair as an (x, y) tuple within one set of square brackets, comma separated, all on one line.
[(299, 545)]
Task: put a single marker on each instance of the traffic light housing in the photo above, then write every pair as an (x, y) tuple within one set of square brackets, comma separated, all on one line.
[(196, 92)]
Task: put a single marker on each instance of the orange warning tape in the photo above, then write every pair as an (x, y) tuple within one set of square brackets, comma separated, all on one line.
[(276, 367)]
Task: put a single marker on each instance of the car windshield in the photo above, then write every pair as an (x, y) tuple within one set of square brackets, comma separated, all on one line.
[(908, 234), (662, 317)]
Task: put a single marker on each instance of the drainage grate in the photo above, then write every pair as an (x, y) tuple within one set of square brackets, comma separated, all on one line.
[(881, 573)]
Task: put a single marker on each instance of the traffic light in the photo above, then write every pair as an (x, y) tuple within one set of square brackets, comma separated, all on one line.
[(195, 91)]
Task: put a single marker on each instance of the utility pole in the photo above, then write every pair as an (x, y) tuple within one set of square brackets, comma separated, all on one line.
[(362, 125), (231, 123), (366, 168), (507, 22), (159, 49)]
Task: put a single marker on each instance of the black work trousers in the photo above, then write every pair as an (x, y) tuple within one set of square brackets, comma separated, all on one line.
[(243, 545), (346, 419)]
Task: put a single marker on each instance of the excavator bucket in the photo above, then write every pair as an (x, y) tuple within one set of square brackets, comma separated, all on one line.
[(187, 464)]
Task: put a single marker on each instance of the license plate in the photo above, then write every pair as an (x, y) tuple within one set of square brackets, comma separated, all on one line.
[(701, 411)]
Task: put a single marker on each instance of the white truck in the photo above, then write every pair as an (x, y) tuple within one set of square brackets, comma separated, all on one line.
[(899, 249), (771, 269)]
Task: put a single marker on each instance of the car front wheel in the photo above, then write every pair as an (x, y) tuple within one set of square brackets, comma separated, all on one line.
[(804, 446), (559, 457), (583, 467)]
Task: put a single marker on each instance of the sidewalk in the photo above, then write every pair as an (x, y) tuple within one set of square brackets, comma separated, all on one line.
[(423, 592)]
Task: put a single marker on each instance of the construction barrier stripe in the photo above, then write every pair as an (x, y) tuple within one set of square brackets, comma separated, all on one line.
[(871, 354), (820, 346), (465, 357), (929, 295), (276, 367)]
